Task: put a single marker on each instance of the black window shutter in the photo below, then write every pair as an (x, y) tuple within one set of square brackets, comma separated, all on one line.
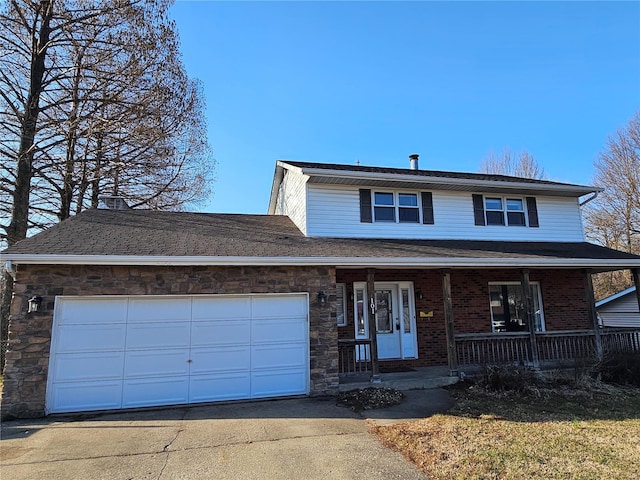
[(478, 209), (427, 208), (365, 205), (532, 210)]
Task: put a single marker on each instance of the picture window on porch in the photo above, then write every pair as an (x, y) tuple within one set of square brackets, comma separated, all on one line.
[(341, 304), (508, 313)]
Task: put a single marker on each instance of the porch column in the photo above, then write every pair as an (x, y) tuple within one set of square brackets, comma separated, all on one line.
[(635, 273), (452, 354), (373, 336), (531, 320), (593, 314)]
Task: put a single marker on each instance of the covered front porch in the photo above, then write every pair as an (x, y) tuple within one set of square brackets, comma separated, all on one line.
[(462, 319)]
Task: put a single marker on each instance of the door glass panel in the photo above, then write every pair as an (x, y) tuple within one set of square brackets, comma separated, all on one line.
[(360, 311), (405, 311), (384, 311)]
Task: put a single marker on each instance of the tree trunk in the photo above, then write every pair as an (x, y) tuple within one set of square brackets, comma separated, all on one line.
[(17, 229)]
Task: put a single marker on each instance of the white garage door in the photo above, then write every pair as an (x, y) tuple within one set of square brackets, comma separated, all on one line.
[(126, 352)]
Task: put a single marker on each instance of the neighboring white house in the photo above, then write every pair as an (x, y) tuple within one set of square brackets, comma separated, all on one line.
[(620, 309)]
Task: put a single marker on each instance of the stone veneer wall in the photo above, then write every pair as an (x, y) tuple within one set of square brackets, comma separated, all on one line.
[(27, 359)]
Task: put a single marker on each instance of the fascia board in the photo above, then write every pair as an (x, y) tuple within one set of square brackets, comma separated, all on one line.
[(344, 262), (578, 190)]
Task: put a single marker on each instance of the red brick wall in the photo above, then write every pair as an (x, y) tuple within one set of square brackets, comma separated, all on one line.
[(563, 293)]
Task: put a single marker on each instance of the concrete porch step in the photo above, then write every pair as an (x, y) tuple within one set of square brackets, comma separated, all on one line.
[(421, 378)]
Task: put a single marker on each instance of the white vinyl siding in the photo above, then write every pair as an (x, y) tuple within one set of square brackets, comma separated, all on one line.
[(334, 211), (621, 312), (292, 198)]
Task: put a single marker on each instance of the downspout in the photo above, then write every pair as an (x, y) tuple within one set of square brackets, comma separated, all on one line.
[(10, 269), (592, 197)]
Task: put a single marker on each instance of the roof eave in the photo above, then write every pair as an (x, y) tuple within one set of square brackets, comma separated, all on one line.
[(470, 184), (341, 262)]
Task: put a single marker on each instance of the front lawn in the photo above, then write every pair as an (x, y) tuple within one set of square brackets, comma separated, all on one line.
[(562, 432)]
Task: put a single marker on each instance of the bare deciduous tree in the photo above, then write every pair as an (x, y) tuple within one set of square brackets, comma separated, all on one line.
[(613, 218), (94, 99), (522, 164)]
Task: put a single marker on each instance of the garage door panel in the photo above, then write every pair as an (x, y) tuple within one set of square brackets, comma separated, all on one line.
[(88, 366), (220, 359), (266, 357), (279, 383), (149, 363), (72, 311), (221, 308), (85, 396), (158, 335), (221, 332), (221, 386), (283, 330), (159, 309), (145, 392), (283, 306), (112, 352), (89, 338)]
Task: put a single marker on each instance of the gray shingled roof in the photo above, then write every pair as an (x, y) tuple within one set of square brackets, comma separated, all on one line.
[(175, 234), (426, 173)]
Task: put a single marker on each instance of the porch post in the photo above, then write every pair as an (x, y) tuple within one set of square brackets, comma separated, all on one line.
[(635, 273), (593, 314), (452, 354), (528, 305), (371, 293)]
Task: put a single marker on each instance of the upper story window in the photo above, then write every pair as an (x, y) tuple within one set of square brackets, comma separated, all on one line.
[(505, 211), (510, 211), (396, 207)]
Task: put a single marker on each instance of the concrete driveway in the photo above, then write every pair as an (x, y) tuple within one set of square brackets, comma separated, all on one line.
[(298, 438)]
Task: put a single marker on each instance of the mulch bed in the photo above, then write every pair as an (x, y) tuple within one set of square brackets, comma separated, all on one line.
[(370, 398)]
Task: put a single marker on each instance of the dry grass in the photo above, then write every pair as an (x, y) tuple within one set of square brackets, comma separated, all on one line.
[(556, 433)]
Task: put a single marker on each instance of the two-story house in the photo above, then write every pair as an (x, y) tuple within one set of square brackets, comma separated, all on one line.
[(353, 269)]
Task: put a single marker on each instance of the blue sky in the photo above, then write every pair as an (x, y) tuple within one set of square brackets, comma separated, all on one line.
[(338, 82)]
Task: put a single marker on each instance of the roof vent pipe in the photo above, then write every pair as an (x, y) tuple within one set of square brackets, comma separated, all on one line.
[(413, 161)]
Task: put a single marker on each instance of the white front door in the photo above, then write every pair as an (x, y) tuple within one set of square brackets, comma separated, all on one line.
[(394, 318)]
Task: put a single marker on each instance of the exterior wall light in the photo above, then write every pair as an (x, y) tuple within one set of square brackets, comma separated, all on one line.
[(34, 304), (322, 299)]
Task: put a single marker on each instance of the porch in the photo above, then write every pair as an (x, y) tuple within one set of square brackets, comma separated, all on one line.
[(546, 349), (555, 349)]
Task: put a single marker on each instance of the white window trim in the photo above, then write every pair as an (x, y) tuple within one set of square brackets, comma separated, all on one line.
[(341, 287), (543, 326), (505, 216), (396, 206)]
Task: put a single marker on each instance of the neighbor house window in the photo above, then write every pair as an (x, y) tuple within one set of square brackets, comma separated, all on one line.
[(508, 313), (341, 305), (504, 211)]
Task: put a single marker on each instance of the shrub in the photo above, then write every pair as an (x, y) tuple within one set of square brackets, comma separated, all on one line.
[(619, 369), (508, 378)]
